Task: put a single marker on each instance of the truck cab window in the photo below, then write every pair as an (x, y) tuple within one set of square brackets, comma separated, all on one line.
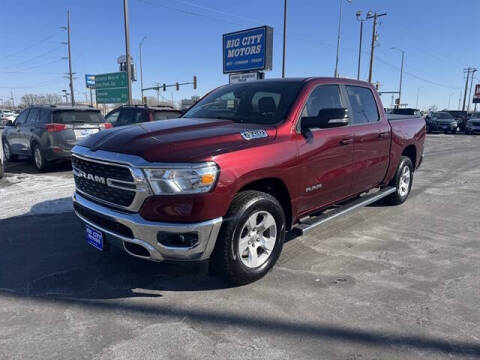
[(323, 97), (363, 104)]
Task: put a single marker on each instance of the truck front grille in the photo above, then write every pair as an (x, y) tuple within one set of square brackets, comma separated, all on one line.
[(94, 181)]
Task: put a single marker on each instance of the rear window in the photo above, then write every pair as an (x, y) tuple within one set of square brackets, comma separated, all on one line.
[(164, 115), (69, 117)]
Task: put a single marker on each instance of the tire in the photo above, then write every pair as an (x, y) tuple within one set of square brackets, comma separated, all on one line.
[(7, 152), (427, 128), (467, 132), (39, 159), (403, 187), (244, 229)]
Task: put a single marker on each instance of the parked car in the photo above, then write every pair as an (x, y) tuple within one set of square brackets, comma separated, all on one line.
[(406, 111), (244, 165), (2, 170), (441, 121), (134, 114), (6, 115), (473, 124), (460, 116), (48, 133)]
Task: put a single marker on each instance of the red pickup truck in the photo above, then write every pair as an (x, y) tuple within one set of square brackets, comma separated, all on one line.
[(244, 165)]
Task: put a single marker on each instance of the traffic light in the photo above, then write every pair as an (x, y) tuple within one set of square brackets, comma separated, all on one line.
[(194, 83), (164, 87), (177, 86)]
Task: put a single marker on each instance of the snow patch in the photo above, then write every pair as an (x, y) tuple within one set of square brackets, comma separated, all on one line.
[(35, 194)]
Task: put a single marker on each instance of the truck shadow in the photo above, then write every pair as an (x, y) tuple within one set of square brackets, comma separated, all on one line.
[(47, 255)]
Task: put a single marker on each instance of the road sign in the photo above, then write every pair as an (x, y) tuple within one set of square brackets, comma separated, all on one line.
[(248, 50), (90, 81), (111, 88)]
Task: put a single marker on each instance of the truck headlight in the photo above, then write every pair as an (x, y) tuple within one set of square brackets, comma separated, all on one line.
[(182, 179)]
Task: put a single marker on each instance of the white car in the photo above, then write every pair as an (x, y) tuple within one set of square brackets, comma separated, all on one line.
[(6, 115)]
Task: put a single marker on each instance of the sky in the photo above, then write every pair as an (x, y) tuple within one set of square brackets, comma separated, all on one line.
[(184, 38)]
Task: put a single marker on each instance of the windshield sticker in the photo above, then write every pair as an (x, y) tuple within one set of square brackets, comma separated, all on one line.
[(254, 134)]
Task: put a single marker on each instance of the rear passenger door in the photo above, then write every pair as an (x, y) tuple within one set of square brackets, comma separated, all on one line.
[(372, 136), (28, 128)]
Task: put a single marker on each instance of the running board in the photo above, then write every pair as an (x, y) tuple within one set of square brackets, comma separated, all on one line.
[(312, 222)]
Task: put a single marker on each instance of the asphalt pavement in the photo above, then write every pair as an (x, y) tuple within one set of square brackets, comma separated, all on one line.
[(382, 283)]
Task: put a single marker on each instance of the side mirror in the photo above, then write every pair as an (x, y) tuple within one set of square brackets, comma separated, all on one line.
[(9, 123), (326, 118)]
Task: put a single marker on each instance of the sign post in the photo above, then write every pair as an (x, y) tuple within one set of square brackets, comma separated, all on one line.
[(247, 52), (90, 84), (111, 88)]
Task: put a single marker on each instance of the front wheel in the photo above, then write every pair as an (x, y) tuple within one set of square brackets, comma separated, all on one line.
[(251, 239), (402, 181), (7, 152)]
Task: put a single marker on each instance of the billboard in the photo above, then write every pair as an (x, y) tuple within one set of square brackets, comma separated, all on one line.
[(248, 50), (90, 81), (476, 96)]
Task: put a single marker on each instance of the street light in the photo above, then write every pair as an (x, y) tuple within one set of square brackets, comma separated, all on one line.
[(401, 76), (141, 69), (284, 36), (359, 18), (338, 36), (418, 94), (449, 97)]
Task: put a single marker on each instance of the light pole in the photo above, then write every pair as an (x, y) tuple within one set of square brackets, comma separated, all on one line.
[(141, 69), (418, 94), (284, 36), (401, 76), (470, 92), (127, 51), (449, 97), (340, 2), (359, 18)]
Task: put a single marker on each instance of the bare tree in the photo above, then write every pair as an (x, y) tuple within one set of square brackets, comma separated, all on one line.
[(40, 99)]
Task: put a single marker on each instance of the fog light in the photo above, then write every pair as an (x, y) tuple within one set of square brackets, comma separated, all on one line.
[(178, 240)]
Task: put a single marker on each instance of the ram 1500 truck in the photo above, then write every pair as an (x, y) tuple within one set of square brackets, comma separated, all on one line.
[(243, 166)]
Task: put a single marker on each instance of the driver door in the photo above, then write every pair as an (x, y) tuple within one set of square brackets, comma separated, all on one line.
[(325, 155), (15, 136)]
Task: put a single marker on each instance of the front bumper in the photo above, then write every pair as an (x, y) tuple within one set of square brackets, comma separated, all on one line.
[(130, 228)]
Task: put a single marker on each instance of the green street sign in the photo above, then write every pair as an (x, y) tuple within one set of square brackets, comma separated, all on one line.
[(111, 88), (112, 96)]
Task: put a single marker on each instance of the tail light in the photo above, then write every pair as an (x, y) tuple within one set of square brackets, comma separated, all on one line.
[(150, 116), (54, 127), (107, 125)]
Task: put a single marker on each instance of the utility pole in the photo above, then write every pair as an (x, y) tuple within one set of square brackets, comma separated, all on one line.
[(70, 74), (467, 71), (12, 98), (127, 51), (418, 95), (284, 36), (141, 70), (470, 92), (401, 76), (375, 16)]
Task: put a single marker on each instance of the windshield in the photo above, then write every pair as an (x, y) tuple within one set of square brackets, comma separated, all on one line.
[(69, 117), (259, 102), (443, 116)]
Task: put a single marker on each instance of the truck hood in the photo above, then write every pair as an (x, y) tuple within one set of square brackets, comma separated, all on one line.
[(179, 140)]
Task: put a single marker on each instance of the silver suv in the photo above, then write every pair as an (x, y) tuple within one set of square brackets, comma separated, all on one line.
[(48, 133)]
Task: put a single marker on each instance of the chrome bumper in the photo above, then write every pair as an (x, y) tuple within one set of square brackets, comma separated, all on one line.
[(145, 232)]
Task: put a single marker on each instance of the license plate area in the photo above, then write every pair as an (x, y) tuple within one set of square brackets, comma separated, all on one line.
[(80, 133), (94, 238)]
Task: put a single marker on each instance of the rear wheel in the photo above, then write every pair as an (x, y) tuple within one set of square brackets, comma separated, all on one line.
[(39, 158), (251, 239), (402, 181), (7, 152)]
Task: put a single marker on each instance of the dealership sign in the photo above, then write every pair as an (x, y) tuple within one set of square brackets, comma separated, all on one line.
[(248, 50)]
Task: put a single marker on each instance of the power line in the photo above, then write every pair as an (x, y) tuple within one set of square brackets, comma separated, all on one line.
[(39, 42), (44, 83), (37, 66), (35, 57)]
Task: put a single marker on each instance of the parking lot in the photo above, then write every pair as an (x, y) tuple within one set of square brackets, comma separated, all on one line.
[(382, 283)]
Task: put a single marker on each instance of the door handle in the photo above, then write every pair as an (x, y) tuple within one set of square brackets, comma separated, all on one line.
[(384, 134), (346, 141)]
